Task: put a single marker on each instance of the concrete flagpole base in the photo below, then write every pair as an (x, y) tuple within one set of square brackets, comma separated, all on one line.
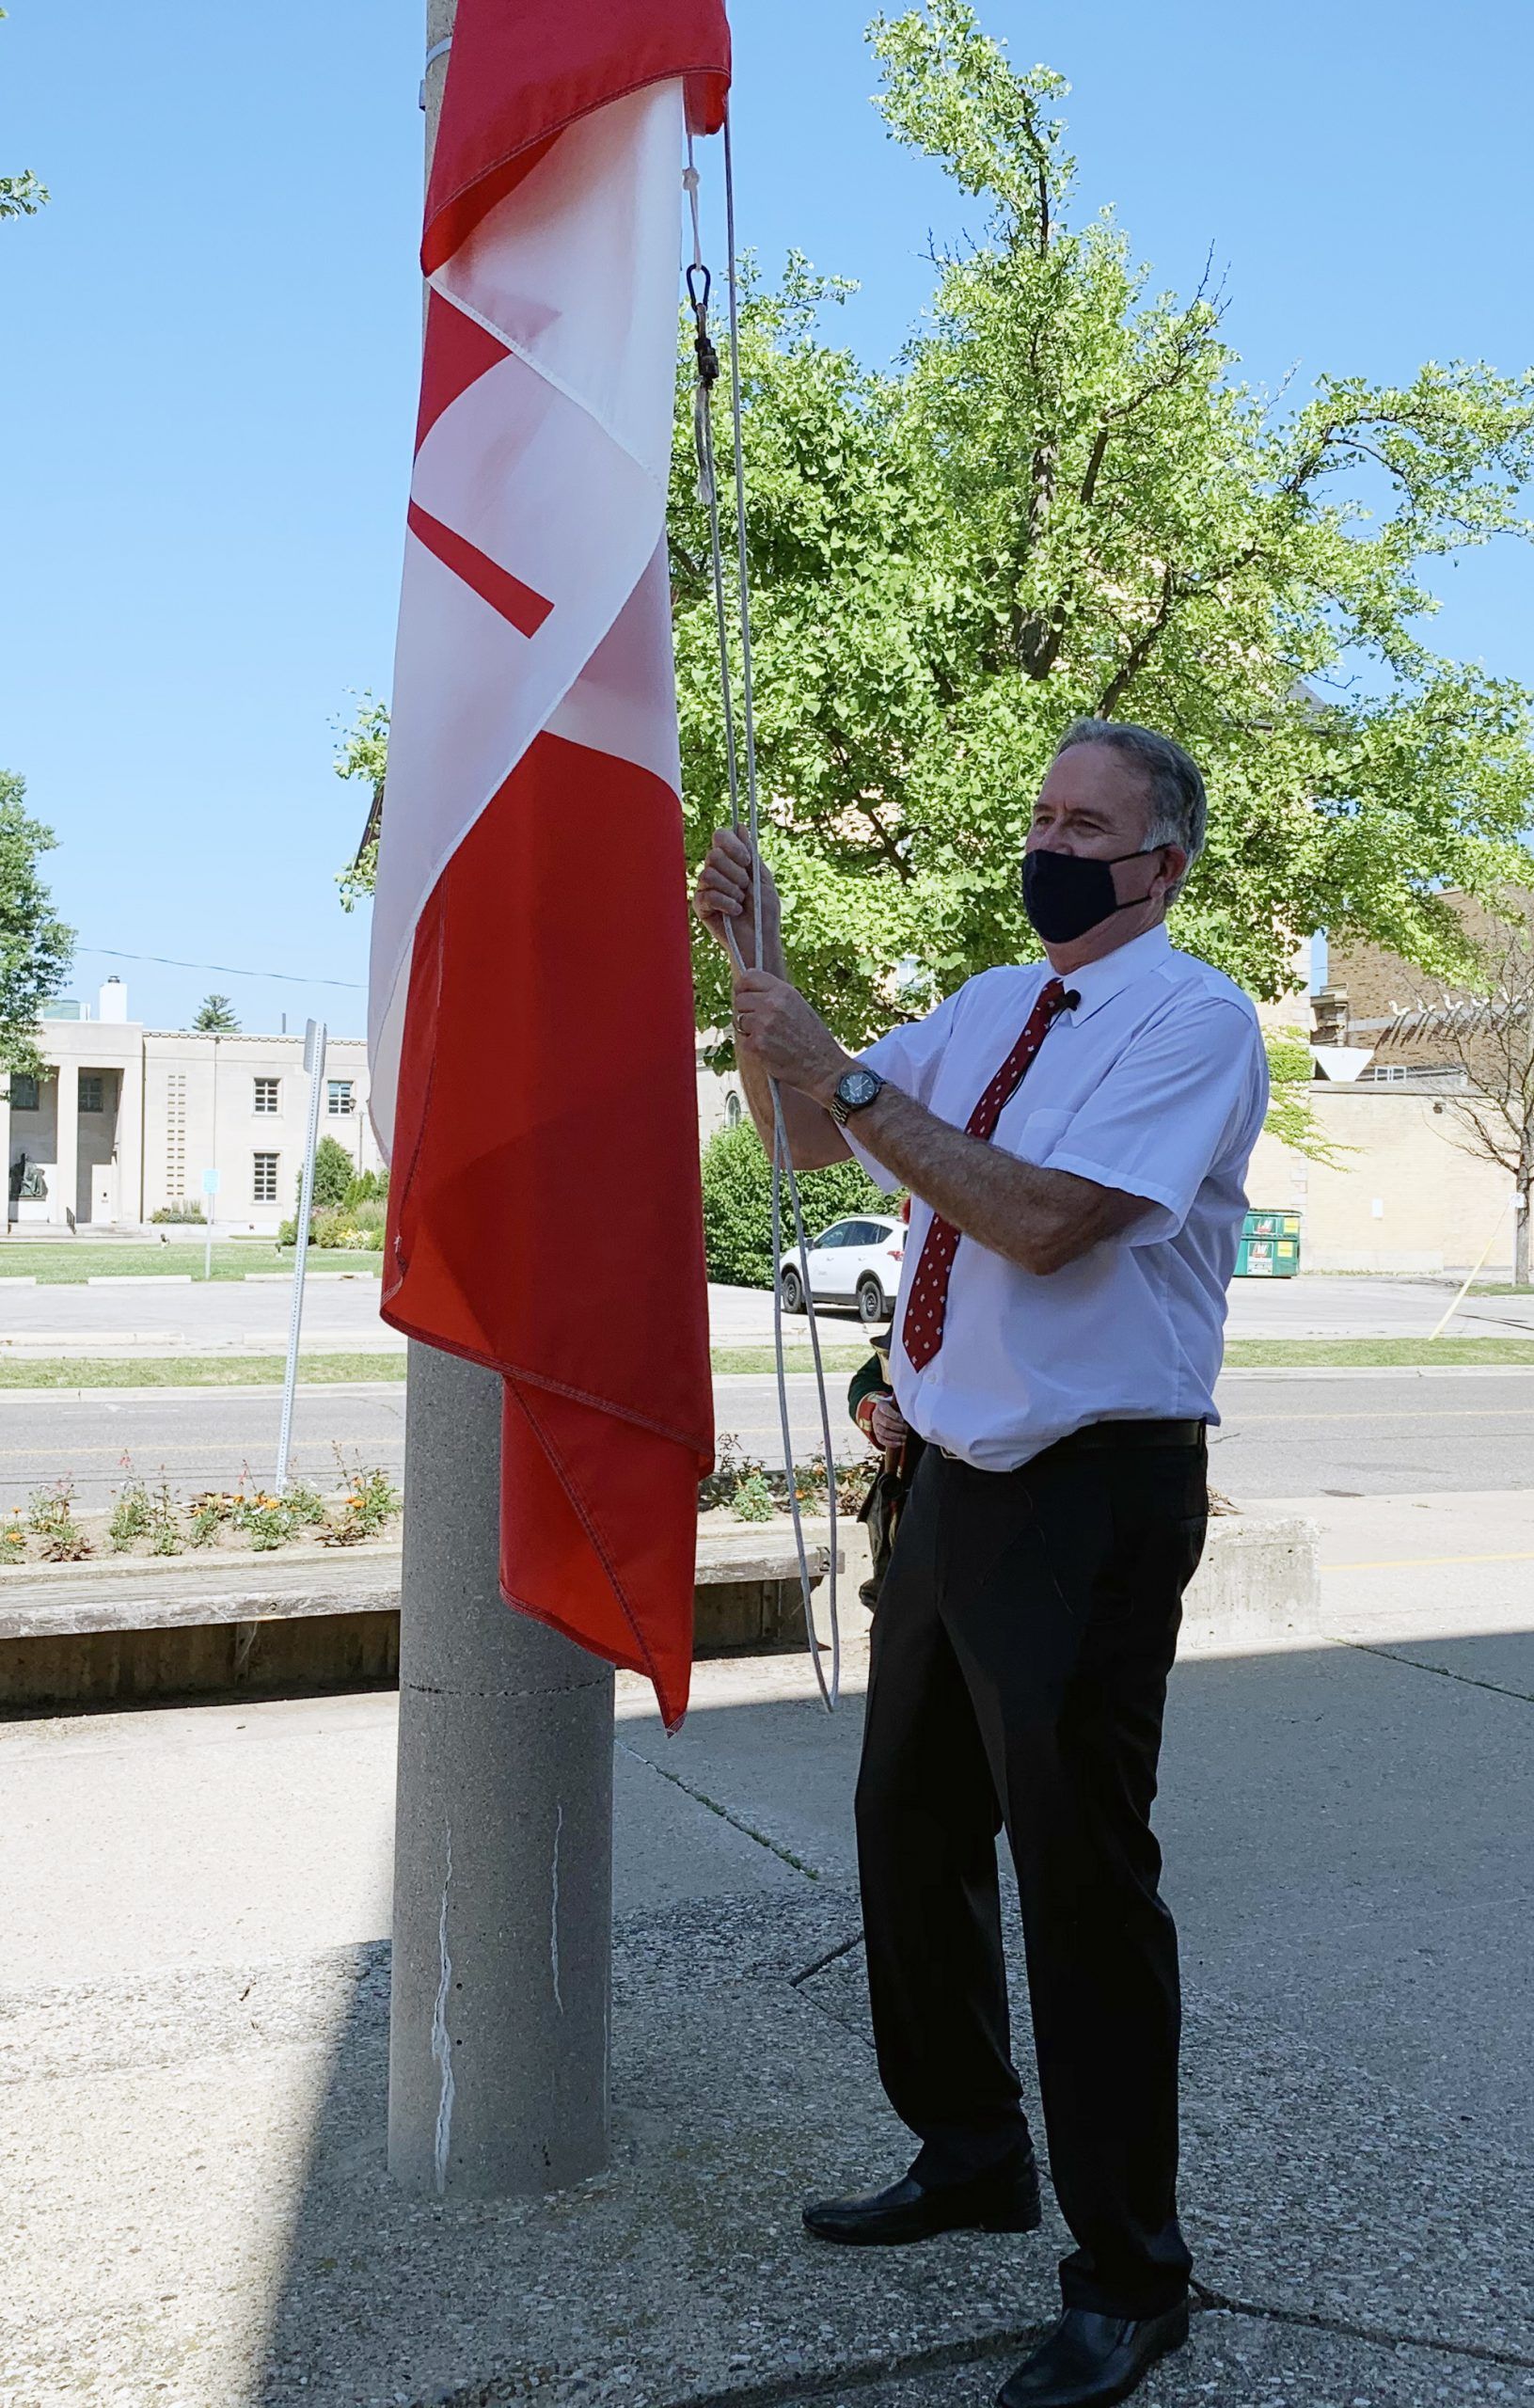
[(502, 1881)]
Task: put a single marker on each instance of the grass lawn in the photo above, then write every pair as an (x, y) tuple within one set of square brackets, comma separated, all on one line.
[(1366, 1354), (325, 1370), (65, 1264), (193, 1371), (800, 1358), (315, 1371)]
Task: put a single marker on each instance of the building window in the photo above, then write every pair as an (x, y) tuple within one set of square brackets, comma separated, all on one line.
[(339, 1097), (263, 1184), (24, 1093), (268, 1095), (90, 1091)]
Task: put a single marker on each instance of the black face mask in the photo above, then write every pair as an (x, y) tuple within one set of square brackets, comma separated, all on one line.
[(1066, 894)]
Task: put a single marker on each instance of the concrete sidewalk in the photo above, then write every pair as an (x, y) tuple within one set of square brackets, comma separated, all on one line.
[(195, 1904)]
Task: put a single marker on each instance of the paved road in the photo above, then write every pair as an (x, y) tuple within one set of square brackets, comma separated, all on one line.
[(191, 1437), (162, 1317), (155, 1317), (1283, 1436), (1303, 1308)]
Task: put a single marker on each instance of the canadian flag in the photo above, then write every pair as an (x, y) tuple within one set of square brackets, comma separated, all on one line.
[(531, 1014)]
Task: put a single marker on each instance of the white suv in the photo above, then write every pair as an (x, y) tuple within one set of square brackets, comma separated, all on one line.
[(856, 1262)]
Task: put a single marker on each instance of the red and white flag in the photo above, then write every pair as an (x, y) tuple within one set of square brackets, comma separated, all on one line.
[(531, 1012)]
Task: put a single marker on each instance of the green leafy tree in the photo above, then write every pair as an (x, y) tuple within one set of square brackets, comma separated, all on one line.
[(21, 196), (333, 1172), (364, 755), (36, 947), (737, 1204), (215, 1015), (1064, 501)]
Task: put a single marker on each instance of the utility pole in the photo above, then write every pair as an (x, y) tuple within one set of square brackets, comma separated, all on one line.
[(498, 2075)]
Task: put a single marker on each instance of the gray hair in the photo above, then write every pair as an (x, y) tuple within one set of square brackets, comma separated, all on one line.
[(1176, 806)]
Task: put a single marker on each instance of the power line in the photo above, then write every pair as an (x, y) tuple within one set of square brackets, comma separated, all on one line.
[(224, 970)]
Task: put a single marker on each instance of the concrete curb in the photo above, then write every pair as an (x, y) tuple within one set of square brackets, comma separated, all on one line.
[(1257, 1587), (144, 1628)]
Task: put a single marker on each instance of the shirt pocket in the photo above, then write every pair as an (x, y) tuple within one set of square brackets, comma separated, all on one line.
[(1037, 1135)]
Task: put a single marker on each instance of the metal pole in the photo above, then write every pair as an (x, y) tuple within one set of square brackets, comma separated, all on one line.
[(502, 1974), (212, 1166), (314, 1036)]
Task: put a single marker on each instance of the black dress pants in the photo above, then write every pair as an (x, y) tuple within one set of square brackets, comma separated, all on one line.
[(1020, 1648)]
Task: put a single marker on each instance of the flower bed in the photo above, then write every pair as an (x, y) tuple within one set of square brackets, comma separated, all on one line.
[(149, 1521), (747, 1491)]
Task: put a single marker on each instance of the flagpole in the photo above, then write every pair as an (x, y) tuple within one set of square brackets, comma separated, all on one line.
[(502, 1974)]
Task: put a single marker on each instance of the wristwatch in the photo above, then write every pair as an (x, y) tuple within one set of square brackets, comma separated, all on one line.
[(856, 1089)]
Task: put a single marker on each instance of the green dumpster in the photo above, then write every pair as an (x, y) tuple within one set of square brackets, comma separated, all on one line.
[(1269, 1245)]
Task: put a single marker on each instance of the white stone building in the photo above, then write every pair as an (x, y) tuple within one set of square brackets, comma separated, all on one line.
[(126, 1120)]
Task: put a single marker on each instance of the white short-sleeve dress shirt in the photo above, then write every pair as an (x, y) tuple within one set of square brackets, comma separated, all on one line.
[(1156, 1084)]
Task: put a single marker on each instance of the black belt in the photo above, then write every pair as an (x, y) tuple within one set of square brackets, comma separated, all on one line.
[(1094, 1434), (1134, 1433)]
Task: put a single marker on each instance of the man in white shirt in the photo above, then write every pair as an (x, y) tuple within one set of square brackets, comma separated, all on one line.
[(1074, 1134)]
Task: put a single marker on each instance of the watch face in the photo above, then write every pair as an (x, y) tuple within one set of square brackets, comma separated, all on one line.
[(858, 1087)]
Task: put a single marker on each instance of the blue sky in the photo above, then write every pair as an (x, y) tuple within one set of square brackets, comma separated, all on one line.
[(210, 336)]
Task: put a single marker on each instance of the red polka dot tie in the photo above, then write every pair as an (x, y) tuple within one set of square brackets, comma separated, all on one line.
[(921, 1330)]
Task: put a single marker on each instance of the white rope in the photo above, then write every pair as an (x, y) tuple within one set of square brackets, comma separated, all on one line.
[(782, 1168)]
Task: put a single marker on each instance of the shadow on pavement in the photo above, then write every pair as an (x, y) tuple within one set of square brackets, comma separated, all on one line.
[(1346, 1841)]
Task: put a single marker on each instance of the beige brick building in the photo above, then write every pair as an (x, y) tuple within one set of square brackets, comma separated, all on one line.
[(1395, 1048), (1404, 1197), (126, 1120)]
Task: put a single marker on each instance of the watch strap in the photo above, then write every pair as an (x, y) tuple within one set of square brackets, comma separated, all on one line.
[(841, 1112)]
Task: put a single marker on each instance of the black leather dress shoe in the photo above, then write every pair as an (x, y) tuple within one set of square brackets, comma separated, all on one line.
[(1089, 2361), (1005, 2201)]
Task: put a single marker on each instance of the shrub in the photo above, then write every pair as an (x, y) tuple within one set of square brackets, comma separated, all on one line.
[(267, 1520), (369, 1504), (737, 1204), (164, 1523), (371, 1187), (353, 1228), (180, 1214), (305, 1504), (51, 1516), (130, 1517), (334, 1171), (753, 1500), (207, 1515)]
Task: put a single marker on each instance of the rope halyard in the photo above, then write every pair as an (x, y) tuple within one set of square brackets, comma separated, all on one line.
[(699, 283)]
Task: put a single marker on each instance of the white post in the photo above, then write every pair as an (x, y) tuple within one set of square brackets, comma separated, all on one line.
[(209, 1190), (314, 1036)]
